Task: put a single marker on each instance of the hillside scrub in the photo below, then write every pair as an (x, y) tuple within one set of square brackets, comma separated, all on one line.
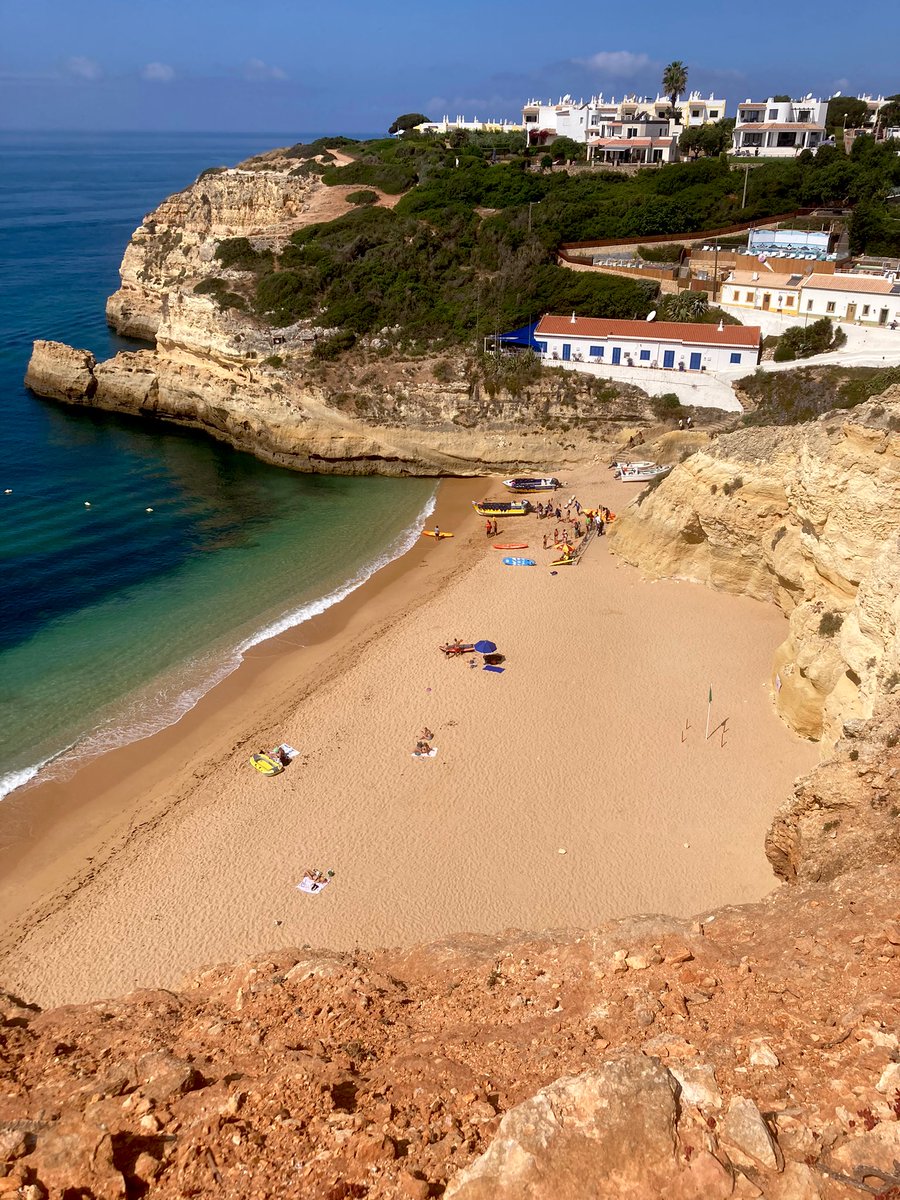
[(376, 267), (793, 397)]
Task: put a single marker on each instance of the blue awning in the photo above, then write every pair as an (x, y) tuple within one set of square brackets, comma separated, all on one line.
[(524, 336)]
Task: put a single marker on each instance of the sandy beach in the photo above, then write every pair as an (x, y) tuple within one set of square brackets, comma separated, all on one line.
[(575, 786)]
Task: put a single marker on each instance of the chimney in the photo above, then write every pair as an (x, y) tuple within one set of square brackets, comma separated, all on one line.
[(572, 320), (721, 326)]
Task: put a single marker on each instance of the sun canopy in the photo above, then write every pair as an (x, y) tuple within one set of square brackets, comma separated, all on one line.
[(524, 337)]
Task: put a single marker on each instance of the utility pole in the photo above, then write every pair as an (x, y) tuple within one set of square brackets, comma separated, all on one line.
[(715, 272), (746, 180)]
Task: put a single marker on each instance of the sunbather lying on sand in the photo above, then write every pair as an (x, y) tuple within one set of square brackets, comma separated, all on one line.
[(457, 647)]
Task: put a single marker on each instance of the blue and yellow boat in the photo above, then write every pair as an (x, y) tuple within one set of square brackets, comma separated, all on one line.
[(502, 508)]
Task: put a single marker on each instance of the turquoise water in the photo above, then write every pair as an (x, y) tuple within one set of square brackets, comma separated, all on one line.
[(113, 619)]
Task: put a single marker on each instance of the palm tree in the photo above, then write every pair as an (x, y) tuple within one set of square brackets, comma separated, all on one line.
[(674, 81)]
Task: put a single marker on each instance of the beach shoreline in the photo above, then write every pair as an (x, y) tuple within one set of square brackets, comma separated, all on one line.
[(54, 822), (173, 853)]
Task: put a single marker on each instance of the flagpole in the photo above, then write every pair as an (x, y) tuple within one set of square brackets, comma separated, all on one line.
[(708, 710)]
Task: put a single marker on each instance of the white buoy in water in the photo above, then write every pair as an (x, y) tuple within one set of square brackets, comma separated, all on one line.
[(148, 510), (87, 504), (7, 491)]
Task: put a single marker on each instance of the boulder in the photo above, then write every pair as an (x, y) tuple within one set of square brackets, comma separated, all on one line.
[(747, 1138)]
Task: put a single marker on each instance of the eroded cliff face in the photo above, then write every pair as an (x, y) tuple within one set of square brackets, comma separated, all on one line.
[(313, 421), (749, 1053), (174, 245), (807, 518)]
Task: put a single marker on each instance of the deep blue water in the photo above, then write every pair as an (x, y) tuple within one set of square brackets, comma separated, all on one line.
[(112, 618)]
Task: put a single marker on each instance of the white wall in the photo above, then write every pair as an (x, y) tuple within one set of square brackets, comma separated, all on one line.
[(712, 358), (816, 304), (780, 299)]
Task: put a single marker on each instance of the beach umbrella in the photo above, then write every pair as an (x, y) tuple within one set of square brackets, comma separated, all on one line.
[(485, 647)]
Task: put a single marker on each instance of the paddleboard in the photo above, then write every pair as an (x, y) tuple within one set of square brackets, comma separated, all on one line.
[(564, 562), (510, 545), (431, 533), (520, 562)]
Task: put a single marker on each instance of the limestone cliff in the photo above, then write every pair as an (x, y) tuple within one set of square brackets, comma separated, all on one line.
[(313, 419), (808, 518)]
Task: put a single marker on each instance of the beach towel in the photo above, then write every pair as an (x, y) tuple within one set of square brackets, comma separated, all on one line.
[(310, 886), (289, 751), (496, 670), (425, 753)]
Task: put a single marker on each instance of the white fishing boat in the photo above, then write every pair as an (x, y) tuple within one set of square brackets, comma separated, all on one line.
[(642, 472), (528, 483), (622, 464)]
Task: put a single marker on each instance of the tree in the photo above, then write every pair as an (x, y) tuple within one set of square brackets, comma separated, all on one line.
[(709, 140), (407, 121), (674, 81), (566, 148), (845, 110)]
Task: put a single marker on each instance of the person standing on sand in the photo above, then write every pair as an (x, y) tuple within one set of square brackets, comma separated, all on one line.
[(487, 527), (437, 533)]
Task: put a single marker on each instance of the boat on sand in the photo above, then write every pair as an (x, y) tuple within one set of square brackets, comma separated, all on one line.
[(502, 508), (527, 483)]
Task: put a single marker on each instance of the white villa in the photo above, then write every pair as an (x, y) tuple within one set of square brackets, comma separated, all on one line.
[(669, 345), (638, 140), (473, 126), (779, 128), (861, 299), (581, 120)]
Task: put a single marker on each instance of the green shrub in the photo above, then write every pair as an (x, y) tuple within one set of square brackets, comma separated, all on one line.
[(733, 485), (334, 345), (666, 405), (238, 254), (802, 341), (218, 290), (362, 198), (274, 360), (830, 623), (665, 252)]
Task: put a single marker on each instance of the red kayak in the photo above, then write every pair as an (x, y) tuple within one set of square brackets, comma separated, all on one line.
[(510, 545)]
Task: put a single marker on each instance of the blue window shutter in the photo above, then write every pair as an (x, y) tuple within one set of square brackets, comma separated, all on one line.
[(735, 358)]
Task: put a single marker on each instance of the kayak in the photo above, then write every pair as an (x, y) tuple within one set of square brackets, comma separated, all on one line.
[(520, 562), (510, 545), (431, 533), (564, 562)]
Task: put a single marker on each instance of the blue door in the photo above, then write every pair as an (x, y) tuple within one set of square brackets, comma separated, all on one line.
[(668, 358), (695, 362), (617, 354), (567, 351)]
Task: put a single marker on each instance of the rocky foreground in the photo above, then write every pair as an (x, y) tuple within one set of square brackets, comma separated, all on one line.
[(753, 1052)]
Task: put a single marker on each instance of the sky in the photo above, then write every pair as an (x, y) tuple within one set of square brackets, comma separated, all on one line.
[(344, 66)]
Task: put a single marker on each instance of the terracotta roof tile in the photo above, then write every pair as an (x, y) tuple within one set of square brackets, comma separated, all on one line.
[(851, 283), (658, 331)]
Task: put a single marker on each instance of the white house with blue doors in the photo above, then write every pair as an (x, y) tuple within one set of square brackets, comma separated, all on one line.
[(632, 345)]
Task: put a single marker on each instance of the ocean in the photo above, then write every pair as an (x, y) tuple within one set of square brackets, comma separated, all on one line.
[(138, 562)]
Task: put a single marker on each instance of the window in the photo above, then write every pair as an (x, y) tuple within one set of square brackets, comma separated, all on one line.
[(714, 114), (595, 352), (790, 301), (865, 312), (695, 112), (541, 347), (735, 358), (829, 307), (749, 297), (804, 115), (809, 305), (645, 355), (773, 114)]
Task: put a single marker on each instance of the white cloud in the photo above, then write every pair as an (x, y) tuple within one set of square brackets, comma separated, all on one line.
[(157, 72), (619, 63), (83, 68), (257, 71)]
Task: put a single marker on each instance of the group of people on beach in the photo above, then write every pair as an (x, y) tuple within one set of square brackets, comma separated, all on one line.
[(423, 745), (491, 528)]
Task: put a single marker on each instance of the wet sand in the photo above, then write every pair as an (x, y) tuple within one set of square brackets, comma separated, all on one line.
[(173, 853)]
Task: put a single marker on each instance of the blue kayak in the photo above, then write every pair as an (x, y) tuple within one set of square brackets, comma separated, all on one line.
[(520, 562)]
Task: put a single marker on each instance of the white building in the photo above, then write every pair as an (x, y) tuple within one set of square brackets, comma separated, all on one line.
[(669, 345), (641, 140), (779, 128), (860, 299), (473, 126), (863, 299), (581, 120), (764, 291)]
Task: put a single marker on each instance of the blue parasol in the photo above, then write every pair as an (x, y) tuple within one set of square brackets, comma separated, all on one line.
[(485, 647)]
